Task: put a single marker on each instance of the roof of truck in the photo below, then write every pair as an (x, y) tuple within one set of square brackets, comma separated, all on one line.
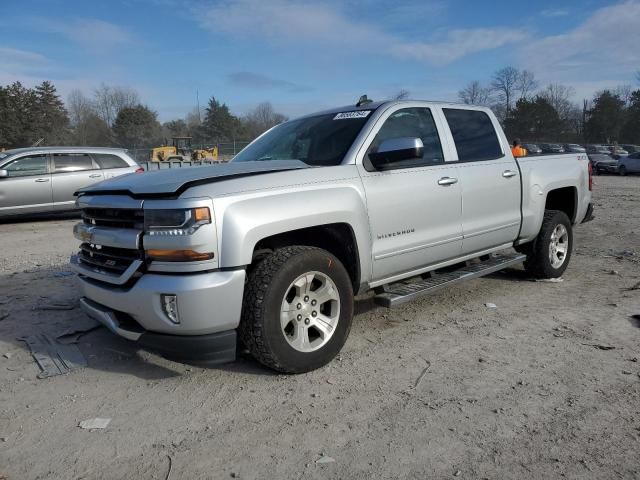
[(375, 105)]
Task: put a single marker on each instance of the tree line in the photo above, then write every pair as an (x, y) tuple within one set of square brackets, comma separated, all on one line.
[(550, 114), (115, 116)]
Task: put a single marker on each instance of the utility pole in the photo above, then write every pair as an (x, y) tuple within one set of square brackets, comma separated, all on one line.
[(198, 106)]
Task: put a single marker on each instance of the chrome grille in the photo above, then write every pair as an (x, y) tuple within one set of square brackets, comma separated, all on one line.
[(109, 259), (114, 217)]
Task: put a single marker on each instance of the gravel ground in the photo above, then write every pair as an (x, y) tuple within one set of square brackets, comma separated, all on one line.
[(546, 385)]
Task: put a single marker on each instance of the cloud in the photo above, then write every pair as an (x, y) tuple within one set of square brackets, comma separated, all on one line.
[(604, 46), (458, 44), (554, 12), (259, 81), (94, 35), (292, 23), (20, 60)]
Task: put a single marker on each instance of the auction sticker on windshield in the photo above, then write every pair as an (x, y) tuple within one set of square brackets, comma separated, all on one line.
[(347, 115)]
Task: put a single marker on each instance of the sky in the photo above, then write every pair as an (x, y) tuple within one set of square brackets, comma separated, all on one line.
[(304, 56)]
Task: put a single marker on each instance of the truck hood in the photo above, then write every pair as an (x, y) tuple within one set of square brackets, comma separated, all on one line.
[(173, 181)]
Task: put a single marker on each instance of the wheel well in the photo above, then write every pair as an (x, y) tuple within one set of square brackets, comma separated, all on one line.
[(563, 199), (337, 238)]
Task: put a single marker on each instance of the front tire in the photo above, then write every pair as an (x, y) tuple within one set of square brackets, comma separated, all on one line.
[(549, 254), (297, 309)]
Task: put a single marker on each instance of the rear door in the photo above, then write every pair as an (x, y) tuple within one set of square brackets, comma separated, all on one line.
[(414, 214), (112, 165), (71, 172), (489, 179), (27, 188)]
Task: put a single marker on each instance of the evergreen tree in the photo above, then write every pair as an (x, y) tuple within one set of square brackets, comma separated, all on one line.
[(136, 127), (49, 116), (631, 129), (219, 124), (605, 118), (534, 120)]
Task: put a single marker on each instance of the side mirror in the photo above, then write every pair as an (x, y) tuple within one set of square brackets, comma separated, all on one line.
[(4, 173), (395, 150)]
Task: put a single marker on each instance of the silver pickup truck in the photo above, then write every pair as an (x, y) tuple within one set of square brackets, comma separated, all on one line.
[(396, 198)]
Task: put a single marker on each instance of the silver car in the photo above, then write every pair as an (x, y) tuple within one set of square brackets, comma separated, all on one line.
[(44, 179)]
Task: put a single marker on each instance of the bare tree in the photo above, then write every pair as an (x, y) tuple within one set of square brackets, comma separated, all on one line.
[(505, 83), (526, 84), (262, 118), (78, 106), (401, 95), (110, 100), (624, 92), (559, 96), (475, 94)]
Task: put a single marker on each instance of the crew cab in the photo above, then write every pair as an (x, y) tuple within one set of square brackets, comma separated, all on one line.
[(269, 250)]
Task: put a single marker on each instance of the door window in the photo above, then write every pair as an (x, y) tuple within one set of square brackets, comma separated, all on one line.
[(25, 166), (107, 160), (72, 162), (474, 135), (413, 123)]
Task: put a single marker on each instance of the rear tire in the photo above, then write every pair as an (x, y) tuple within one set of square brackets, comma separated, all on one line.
[(549, 254), (297, 309)]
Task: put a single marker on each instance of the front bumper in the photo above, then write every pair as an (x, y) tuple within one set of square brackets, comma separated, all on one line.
[(207, 302), (209, 349)]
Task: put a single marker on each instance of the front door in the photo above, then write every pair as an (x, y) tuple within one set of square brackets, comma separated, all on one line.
[(27, 186), (489, 179), (71, 172), (414, 214)]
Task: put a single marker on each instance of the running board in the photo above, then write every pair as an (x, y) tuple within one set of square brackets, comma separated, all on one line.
[(399, 293)]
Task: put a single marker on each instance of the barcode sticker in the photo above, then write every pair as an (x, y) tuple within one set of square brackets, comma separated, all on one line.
[(348, 115)]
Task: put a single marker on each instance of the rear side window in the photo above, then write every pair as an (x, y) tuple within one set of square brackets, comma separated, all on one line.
[(72, 162), (473, 134), (413, 123), (106, 160), (25, 166)]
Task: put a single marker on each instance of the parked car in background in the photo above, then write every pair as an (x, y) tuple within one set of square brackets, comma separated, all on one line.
[(600, 149), (44, 179), (532, 148), (617, 150), (631, 148), (603, 163), (573, 148), (551, 148), (629, 164)]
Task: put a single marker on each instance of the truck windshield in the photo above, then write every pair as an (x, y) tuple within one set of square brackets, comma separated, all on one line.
[(321, 140)]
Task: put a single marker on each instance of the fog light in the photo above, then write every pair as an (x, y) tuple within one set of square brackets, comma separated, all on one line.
[(170, 307)]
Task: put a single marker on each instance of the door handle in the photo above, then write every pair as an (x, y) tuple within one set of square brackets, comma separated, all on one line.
[(95, 175), (42, 180), (446, 181), (509, 173)]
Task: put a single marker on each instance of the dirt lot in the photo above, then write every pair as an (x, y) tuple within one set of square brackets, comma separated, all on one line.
[(443, 387)]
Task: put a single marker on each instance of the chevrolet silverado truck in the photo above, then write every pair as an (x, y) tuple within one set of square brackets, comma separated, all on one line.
[(266, 253)]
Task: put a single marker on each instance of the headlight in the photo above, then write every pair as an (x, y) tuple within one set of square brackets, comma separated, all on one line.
[(175, 222)]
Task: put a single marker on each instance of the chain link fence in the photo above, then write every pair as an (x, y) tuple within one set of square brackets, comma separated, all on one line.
[(226, 151)]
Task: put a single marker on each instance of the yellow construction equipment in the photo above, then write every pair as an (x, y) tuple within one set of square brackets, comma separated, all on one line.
[(181, 150)]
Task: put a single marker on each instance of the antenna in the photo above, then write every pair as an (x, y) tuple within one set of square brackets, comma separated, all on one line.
[(364, 100)]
